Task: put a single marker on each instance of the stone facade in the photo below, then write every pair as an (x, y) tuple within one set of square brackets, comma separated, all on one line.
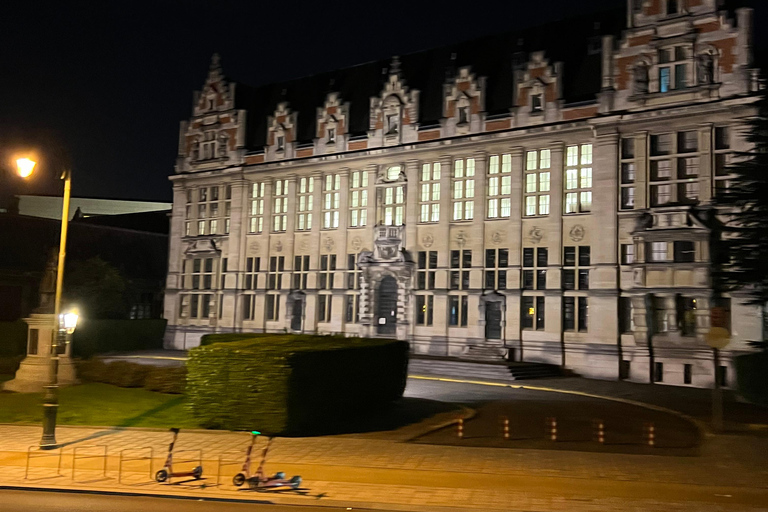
[(569, 226)]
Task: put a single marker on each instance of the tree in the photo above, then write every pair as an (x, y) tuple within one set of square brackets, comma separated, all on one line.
[(741, 246), (97, 288)]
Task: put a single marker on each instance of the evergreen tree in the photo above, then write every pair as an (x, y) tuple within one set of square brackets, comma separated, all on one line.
[(740, 250)]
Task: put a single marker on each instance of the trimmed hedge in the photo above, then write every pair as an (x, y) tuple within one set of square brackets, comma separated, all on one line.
[(13, 338), (162, 379), (104, 336), (209, 339), (9, 365), (293, 384), (752, 377)]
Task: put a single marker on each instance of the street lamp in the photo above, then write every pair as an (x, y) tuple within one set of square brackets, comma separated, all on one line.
[(25, 166), (51, 398)]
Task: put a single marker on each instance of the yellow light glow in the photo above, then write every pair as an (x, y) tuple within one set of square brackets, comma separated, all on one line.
[(530, 311), (68, 320), (25, 166)]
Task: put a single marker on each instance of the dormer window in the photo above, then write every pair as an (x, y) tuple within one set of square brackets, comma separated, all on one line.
[(672, 7), (393, 173), (673, 68), (536, 103), (393, 124), (637, 6), (463, 115), (331, 134), (208, 146), (280, 142)]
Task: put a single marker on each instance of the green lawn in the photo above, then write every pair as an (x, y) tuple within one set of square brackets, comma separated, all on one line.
[(101, 405)]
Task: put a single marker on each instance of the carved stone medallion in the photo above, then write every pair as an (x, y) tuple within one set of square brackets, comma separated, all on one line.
[(329, 244), (427, 240), (497, 237), (461, 238), (577, 233), (254, 248), (535, 235), (357, 243), (279, 246)]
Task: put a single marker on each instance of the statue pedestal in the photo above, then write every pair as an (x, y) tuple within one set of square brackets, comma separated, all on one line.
[(35, 370)]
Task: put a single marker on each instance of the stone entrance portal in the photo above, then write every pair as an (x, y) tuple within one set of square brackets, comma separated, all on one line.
[(493, 320), (386, 300)]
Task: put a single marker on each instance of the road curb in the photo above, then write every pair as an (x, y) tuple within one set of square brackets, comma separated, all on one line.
[(466, 413), (702, 428)]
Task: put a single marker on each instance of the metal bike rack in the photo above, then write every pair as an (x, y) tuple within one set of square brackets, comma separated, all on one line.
[(124, 458), (40, 454), (227, 459), (75, 457)]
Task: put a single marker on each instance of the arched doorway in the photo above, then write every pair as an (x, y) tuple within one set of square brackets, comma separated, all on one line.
[(386, 300)]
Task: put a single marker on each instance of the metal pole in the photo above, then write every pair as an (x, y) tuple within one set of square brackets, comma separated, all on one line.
[(51, 399), (717, 396)]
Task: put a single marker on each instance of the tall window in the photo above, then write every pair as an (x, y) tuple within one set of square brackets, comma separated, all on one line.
[(202, 210), (358, 200), (578, 179), (627, 254), (300, 272), (535, 268), (463, 188), (658, 251), (458, 310), (394, 205), (533, 313), (280, 206), (537, 182), (576, 265), (496, 263), (722, 157), (325, 299), (429, 202), (425, 275), (499, 186), (424, 309), (575, 314), (256, 210), (188, 215), (198, 280), (461, 263), (272, 307), (331, 201), (275, 275), (627, 193), (252, 268), (306, 192), (352, 299), (674, 164)]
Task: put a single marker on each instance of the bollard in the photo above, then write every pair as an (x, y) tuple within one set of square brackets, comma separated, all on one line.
[(650, 434), (460, 428), (551, 428), (505, 427), (599, 431)]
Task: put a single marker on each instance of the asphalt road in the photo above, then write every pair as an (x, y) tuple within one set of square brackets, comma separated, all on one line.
[(51, 501)]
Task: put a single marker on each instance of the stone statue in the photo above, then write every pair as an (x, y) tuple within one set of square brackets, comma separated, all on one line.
[(641, 78), (48, 283), (706, 71)]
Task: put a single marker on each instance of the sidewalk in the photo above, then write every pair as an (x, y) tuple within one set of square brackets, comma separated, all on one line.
[(377, 473)]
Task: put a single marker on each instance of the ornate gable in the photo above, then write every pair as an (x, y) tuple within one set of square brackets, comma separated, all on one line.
[(464, 100), (216, 95), (332, 119), (282, 131), (395, 109), (539, 85)]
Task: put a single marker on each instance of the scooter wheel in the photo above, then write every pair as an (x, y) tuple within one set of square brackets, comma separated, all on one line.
[(197, 472), (161, 476), (295, 482), (253, 484), (238, 479), (279, 476)]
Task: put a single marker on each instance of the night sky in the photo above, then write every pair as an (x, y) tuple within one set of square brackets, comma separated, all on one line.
[(102, 86)]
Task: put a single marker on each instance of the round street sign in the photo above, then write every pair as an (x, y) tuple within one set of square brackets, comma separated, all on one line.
[(718, 337)]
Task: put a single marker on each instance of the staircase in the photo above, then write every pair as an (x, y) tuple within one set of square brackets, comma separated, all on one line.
[(480, 370)]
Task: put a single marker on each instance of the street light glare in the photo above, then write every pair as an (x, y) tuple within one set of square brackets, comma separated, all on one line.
[(68, 321), (25, 166)]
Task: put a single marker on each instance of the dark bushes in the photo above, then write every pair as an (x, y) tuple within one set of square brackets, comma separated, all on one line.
[(293, 384), (132, 375)]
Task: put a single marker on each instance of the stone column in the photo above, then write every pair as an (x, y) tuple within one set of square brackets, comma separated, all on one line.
[(411, 204), (238, 229)]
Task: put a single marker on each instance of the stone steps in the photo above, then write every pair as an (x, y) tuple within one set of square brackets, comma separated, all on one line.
[(481, 370)]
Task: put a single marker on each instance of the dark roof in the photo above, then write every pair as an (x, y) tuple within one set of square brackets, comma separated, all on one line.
[(493, 57), (152, 222)]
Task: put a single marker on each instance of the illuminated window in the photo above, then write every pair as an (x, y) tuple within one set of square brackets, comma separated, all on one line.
[(499, 186), (393, 205), (305, 204), (424, 310), (331, 194), (578, 179), (533, 310), (280, 205), (537, 182), (463, 189), (358, 199), (256, 210), (429, 199)]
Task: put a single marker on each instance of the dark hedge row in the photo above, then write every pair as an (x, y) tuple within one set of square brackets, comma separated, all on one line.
[(125, 374), (293, 384), (752, 377), (104, 336)]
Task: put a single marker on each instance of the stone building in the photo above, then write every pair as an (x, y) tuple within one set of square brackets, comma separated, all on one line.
[(525, 196)]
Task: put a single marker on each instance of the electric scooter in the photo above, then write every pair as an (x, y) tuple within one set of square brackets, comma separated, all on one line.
[(260, 482), (167, 471), (245, 473)]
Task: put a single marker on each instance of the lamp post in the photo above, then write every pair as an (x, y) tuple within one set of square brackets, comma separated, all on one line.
[(51, 398)]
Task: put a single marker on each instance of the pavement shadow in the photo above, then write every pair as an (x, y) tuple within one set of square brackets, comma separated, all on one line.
[(130, 422)]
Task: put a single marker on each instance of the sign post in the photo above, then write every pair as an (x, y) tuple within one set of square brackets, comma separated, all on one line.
[(718, 338)]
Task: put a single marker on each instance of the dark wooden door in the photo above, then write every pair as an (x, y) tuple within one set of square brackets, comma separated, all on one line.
[(296, 314), (493, 320), (386, 300)]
